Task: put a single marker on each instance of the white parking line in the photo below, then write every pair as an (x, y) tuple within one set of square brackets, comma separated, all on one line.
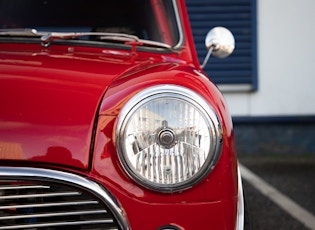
[(291, 207)]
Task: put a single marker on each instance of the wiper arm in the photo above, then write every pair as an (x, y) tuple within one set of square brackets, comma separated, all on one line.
[(121, 37), (49, 37), (20, 32)]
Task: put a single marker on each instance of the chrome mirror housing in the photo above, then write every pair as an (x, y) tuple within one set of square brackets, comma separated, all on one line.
[(220, 43)]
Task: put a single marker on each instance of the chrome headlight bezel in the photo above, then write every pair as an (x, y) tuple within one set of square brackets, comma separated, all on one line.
[(181, 94)]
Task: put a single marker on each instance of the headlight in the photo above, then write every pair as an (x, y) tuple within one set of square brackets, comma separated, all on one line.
[(168, 138)]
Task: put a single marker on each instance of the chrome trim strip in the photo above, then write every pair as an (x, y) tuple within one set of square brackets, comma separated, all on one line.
[(70, 179), (240, 203)]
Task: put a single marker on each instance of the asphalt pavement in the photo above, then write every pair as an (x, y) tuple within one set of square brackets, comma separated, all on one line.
[(291, 176)]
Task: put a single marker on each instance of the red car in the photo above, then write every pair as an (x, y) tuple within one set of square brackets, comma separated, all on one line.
[(108, 121)]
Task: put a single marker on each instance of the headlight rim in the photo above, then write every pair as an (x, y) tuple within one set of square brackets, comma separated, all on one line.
[(187, 95)]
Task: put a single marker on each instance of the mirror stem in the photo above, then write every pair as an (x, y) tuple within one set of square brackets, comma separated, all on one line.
[(207, 57)]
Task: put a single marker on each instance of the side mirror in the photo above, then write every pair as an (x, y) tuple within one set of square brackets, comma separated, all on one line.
[(220, 43)]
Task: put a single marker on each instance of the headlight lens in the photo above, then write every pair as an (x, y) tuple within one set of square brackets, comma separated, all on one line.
[(168, 138)]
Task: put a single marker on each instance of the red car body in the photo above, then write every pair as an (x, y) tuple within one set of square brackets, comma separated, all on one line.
[(59, 109)]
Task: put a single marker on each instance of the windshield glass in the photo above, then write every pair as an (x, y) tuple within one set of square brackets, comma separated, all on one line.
[(153, 20)]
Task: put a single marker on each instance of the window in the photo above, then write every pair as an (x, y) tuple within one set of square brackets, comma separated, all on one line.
[(149, 20), (239, 71)]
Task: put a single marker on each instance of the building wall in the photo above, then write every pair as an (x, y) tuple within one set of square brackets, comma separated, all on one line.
[(286, 63)]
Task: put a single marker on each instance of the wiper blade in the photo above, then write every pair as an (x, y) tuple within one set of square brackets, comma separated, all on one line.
[(120, 37), (134, 40)]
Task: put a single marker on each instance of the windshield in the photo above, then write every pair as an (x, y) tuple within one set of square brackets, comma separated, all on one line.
[(153, 20)]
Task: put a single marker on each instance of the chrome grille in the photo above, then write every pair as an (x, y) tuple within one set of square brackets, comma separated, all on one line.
[(33, 202)]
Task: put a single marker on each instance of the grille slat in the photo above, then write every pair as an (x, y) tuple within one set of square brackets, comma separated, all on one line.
[(44, 205), (88, 212), (39, 195), (59, 224), (23, 187), (28, 204)]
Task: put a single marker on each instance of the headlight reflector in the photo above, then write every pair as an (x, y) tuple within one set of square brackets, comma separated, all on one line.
[(168, 138)]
